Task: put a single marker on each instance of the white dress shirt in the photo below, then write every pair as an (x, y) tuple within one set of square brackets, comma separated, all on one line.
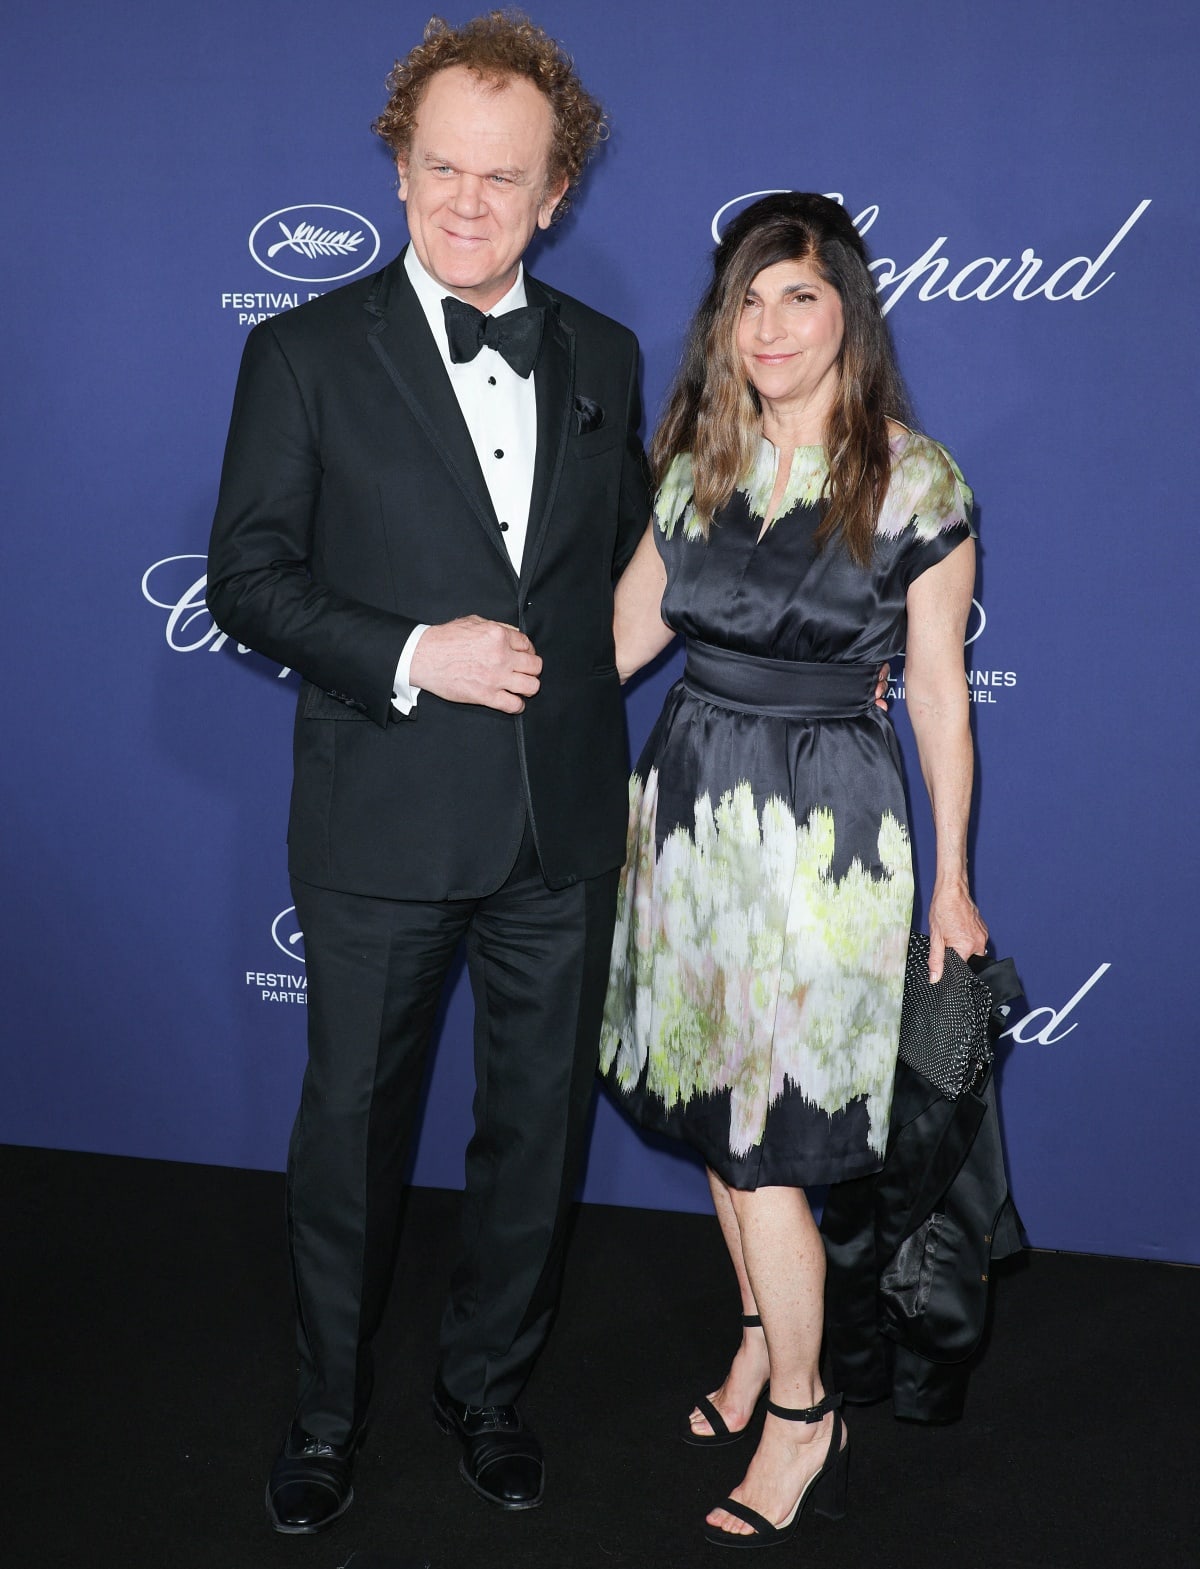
[(500, 410)]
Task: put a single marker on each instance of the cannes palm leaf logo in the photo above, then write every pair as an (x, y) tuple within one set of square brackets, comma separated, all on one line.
[(307, 240), (314, 242)]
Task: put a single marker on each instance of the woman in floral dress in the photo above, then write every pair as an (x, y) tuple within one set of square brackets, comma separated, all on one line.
[(801, 536)]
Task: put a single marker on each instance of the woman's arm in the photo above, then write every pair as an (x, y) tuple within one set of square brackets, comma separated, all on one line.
[(939, 707), (639, 630)]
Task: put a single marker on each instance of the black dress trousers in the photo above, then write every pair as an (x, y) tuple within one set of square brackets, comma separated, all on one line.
[(538, 965)]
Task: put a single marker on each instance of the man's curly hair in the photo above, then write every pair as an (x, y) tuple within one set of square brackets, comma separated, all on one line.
[(498, 46)]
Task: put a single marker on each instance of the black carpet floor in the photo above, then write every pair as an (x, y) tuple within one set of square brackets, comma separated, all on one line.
[(146, 1359)]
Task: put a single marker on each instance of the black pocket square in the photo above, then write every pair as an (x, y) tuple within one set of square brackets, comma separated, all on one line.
[(589, 416)]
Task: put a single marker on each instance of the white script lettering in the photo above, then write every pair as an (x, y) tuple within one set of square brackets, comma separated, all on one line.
[(984, 278), (1044, 1035), (190, 626)]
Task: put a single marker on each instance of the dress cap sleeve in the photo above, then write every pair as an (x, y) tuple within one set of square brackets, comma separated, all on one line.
[(673, 499), (929, 505)]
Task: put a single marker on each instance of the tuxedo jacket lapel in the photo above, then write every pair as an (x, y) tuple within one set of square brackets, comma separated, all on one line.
[(401, 339), (554, 381)]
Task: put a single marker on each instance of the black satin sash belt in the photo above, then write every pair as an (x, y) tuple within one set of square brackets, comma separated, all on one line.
[(782, 688)]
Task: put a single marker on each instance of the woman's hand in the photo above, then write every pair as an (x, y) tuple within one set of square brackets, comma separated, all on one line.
[(954, 922)]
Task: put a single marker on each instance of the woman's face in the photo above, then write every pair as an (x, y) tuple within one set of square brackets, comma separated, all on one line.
[(790, 336)]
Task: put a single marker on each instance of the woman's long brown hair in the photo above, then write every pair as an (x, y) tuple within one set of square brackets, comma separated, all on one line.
[(714, 413)]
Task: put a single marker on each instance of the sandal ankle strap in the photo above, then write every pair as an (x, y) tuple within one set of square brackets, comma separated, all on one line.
[(751, 1321), (806, 1413)]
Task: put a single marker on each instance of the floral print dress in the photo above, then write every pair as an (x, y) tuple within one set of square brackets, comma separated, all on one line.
[(763, 917)]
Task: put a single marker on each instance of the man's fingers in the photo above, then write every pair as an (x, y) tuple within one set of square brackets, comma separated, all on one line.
[(522, 685), (506, 703), (881, 687), (473, 660), (518, 641)]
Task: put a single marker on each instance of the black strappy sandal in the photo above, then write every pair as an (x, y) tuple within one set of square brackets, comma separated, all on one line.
[(721, 1433), (827, 1488)]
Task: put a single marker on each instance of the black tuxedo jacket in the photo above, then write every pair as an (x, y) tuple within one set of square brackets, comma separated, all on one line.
[(352, 507)]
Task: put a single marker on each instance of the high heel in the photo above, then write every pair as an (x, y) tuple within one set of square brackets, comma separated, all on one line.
[(827, 1488), (721, 1433)]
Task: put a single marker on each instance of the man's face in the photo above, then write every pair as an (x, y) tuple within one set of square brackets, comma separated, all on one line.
[(474, 181)]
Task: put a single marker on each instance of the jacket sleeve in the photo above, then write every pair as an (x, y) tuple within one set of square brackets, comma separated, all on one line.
[(635, 478), (260, 585)]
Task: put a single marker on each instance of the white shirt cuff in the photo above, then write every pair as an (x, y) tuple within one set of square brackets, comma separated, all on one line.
[(404, 694)]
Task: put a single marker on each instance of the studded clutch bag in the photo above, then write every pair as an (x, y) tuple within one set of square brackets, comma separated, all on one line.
[(946, 1027)]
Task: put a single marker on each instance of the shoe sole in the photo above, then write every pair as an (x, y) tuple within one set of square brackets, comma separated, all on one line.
[(306, 1530), (447, 1426), (716, 1441)]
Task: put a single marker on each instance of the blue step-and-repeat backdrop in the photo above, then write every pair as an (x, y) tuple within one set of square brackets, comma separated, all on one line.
[(1025, 177)]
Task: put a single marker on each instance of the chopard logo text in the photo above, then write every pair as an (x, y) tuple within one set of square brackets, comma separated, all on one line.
[(171, 585), (983, 278)]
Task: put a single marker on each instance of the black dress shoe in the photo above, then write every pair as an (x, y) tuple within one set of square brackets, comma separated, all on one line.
[(310, 1483), (501, 1459)]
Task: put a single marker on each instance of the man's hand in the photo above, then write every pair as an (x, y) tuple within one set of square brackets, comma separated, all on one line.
[(476, 661), (881, 687)]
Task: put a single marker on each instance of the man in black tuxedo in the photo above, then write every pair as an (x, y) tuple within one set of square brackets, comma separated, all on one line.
[(423, 510)]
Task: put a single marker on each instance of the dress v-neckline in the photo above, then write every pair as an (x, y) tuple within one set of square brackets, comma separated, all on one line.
[(770, 517)]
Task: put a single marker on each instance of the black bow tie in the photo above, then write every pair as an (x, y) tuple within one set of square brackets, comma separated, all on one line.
[(517, 334)]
